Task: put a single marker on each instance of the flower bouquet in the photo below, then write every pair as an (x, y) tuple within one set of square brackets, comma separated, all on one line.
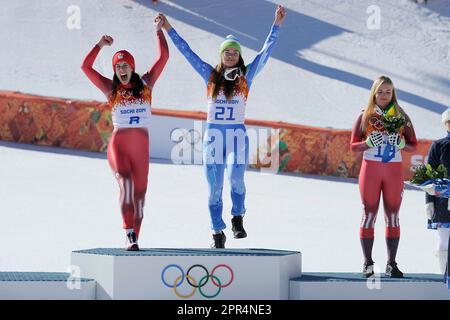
[(392, 121), (434, 182)]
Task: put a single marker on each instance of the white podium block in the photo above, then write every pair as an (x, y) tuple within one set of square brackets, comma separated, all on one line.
[(45, 286), (189, 273), (351, 286)]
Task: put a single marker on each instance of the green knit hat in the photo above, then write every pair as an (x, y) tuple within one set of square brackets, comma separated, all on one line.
[(230, 42)]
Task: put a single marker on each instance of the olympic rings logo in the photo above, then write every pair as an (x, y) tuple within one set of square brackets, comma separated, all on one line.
[(376, 123), (194, 283)]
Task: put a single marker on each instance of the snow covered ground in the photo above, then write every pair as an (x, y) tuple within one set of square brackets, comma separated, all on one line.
[(53, 201), (324, 63)]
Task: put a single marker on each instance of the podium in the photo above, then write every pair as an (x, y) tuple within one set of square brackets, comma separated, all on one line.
[(45, 286), (204, 274), (236, 274), (351, 286)]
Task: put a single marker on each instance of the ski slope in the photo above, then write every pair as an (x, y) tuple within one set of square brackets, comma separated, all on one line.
[(57, 200), (324, 63)]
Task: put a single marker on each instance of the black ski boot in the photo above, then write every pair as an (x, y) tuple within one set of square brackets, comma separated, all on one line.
[(392, 271), (368, 269), (219, 241), (238, 228), (132, 244)]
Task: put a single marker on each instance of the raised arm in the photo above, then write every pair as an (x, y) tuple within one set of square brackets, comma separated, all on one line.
[(154, 72), (202, 68), (101, 82), (261, 58)]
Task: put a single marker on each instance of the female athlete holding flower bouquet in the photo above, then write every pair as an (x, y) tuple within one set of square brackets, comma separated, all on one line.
[(381, 131)]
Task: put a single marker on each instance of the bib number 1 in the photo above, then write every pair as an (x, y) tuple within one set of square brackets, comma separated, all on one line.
[(386, 154)]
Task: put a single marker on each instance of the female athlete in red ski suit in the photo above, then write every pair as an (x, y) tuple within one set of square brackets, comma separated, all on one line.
[(381, 171), (129, 96)]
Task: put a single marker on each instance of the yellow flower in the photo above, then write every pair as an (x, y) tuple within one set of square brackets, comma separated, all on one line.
[(391, 111)]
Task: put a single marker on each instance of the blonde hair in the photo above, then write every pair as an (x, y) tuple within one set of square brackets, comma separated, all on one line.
[(370, 108)]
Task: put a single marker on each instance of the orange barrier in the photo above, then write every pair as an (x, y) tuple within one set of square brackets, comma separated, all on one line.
[(321, 151), (87, 125), (54, 122)]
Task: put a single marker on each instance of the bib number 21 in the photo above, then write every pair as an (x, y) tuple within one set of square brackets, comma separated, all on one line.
[(220, 113)]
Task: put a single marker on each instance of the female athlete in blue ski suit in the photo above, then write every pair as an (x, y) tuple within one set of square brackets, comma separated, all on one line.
[(225, 143)]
